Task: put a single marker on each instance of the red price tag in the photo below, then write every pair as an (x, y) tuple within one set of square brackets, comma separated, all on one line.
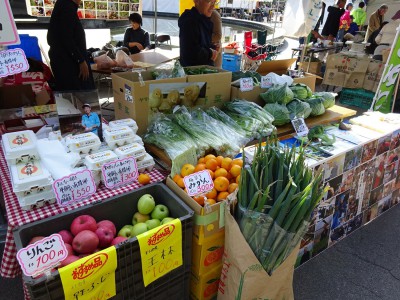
[(42, 255), (13, 61), (119, 172), (74, 187), (198, 183), (246, 84)]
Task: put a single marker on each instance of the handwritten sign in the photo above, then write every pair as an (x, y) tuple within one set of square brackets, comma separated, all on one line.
[(246, 84), (91, 277), (198, 183), (42, 255), (8, 30), (12, 62), (300, 126), (266, 82), (119, 172), (160, 250), (74, 187)]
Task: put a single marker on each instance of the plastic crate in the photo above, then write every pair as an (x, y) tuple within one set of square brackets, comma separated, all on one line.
[(30, 45), (231, 62), (128, 276), (357, 97)]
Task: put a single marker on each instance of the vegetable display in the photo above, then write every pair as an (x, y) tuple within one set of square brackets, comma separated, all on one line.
[(299, 109), (328, 99), (317, 106), (279, 112), (301, 91), (281, 94), (200, 70), (248, 74)]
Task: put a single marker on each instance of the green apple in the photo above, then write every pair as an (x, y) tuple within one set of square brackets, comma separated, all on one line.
[(153, 223), (139, 228), (146, 204), (139, 218), (166, 220), (160, 212), (126, 231)]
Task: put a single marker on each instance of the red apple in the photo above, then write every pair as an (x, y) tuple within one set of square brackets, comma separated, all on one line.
[(84, 222), (85, 242), (35, 239), (66, 236), (69, 259), (117, 240), (70, 251), (107, 224), (105, 236)]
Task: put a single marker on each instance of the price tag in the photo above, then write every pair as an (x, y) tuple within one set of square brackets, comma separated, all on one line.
[(74, 187), (160, 250), (91, 277), (12, 61), (42, 255), (246, 84), (300, 126), (119, 172), (198, 183), (266, 82)]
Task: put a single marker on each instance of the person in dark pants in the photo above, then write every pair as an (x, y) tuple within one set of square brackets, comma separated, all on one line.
[(136, 38), (195, 31), (332, 22), (67, 41)]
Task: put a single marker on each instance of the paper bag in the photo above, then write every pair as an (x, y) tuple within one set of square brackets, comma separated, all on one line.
[(355, 70), (373, 75), (123, 60), (243, 277), (335, 73)]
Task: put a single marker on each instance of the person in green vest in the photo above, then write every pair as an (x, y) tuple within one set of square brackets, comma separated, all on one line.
[(359, 15)]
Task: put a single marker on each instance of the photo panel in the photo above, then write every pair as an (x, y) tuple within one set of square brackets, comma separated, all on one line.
[(326, 208), (376, 195), (395, 142), (388, 188), (352, 208), (321, 237), (384, 144), (379, 171), (395, 198), (337, 234), (369, 151), (384, 205), (390, 172), (352, 159), (348, 180), (341, 206), (354, 223), (334, 186), (334, 167), (305, 253)]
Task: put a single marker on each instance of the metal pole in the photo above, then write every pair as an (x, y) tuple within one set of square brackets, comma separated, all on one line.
[(155, 19)]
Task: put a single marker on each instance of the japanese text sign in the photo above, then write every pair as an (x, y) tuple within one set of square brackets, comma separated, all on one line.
[(75, 187), (198, 183), (160, 250), (91, 277), (8, 29), (119, 172), (266, 82), (12, 62), (42, 255), (246, 84)]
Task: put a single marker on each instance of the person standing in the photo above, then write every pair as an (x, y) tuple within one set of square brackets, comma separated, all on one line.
[(387, 34), (136, 39), (344, 22), (332, 22), (217, 36), (195, 31), (90, 120), (376, 20), (67, 41), (359, 15)]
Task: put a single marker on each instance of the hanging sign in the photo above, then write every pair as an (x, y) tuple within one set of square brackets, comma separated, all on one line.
[(13, 61), (8, 29), (119, 172)]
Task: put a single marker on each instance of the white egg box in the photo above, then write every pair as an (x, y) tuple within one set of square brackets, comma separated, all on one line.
[(55, 135), (112, 134), (96, 160), (20, 147), (29, 178), (119, 143), (132, 150), (36, 200), (125, 122), (146, 164), (83, 143), (97, 177), (138, 139)]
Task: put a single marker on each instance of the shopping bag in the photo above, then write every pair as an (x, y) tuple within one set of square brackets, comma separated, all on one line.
[(104, 62), (355, 70), (123, 60), (335, 73), (373, 75), (243, 277)]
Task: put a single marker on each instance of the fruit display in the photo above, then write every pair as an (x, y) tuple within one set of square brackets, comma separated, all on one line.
[(224, 171)]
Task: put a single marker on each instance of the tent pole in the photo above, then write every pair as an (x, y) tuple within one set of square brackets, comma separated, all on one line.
[(155, 19)]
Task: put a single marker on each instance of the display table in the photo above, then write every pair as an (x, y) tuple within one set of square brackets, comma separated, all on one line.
[(17, 217)]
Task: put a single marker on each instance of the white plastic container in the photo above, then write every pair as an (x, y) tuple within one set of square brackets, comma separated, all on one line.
[(55, 135), (30, 178), (146, 164), (20, 146), (83, 143), (96, 160), (36, 200), (118, 133), (125, 122), (132, 150), (138, 139)]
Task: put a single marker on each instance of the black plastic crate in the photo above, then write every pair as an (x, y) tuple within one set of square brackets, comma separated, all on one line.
[(128, 276)]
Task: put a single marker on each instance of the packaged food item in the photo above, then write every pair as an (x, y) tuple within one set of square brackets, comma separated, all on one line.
[(147, 163), (96, 160), (138, 139), (55, 135), (83, 143), (125, 122), (118, 136), (132, 150), (20, 147), (36, 200)]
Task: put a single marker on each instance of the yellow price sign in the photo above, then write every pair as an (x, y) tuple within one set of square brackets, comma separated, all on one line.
[(160, 250), (92, 277)]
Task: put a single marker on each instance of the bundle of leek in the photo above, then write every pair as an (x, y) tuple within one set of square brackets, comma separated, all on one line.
[(277, 194)]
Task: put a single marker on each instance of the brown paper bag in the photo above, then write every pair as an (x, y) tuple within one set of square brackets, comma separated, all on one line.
[(355, 70), (243, 277), (335, 70), (373, 75)]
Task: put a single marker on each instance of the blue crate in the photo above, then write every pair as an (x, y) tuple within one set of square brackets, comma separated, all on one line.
[(30, 45), (231, 62)]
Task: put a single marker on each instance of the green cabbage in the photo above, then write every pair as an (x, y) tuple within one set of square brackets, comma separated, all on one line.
[(279, 112), (281, 94), (299, 109), (327, 98), (300, 91), (317, 106)]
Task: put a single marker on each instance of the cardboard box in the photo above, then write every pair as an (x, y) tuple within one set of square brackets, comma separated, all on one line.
[(208, 255), (313, 67), (15, 96), (207, 223), (205, 287), (253, 95)]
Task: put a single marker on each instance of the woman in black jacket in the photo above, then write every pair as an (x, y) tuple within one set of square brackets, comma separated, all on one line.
[(136, 39)]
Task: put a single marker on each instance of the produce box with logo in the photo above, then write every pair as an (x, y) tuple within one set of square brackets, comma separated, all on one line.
[(208, 255), (205, 287)]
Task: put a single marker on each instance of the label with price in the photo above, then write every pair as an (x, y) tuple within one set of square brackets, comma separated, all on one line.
[(300, 126), (74, 187), (198, 183), (42, 255), (13, 61), (246, 84), (266, 82), (119, 172), (91, 277), (160, 250)]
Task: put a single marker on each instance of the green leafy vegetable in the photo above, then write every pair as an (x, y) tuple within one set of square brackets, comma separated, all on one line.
[(317, 106), (299, 109), (300, 91), (318, 132), (279, 112), (281, 94), (328, 99)]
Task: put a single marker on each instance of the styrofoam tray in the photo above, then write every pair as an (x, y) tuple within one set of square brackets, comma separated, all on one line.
[(117, 133), (20, 146), (83, 143), (125, 122), (96, 160), (132, 150), (30, 201), (146, 164), (29, 176)]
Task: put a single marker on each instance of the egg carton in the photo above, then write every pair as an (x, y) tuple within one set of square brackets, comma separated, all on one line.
[(83, 143), (96, 160), (146, 164), (117, 133), (36, 200), (125, 122), (20, 146), (132, 150), (55, 135), (138, 139), (119, 143)]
